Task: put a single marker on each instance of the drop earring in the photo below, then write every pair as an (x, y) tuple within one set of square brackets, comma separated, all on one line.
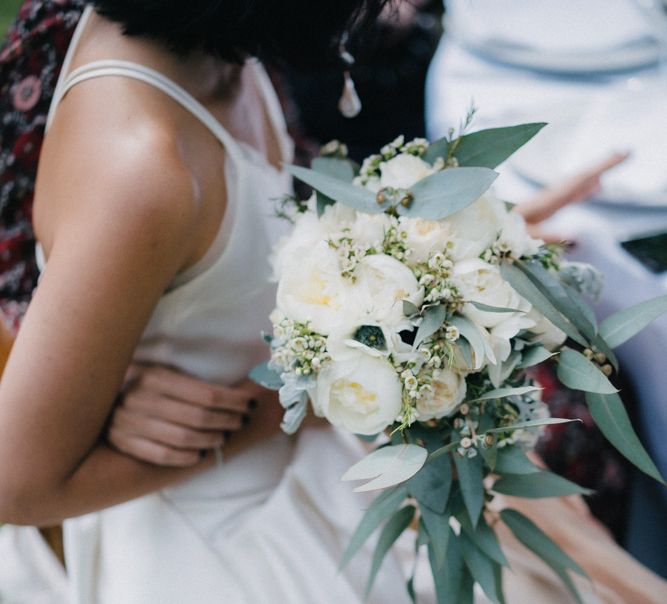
[(349, 104)]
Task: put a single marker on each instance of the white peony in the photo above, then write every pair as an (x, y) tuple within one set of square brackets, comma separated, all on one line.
[(306, 234), (361, 395), (369, 230), (381, 286), (403, 171), (476, 228), (424, 237), (515, 238), (480, 281), (449, 390), (314, 291), (551, 336)]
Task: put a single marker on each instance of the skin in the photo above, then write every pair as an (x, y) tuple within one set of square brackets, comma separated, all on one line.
[(130, 192)]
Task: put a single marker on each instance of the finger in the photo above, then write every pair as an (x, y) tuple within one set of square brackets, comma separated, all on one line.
[(577, 188), (165, 432), (186, 388), (152, 452), (537, 233), (179, 412), (606, 164)]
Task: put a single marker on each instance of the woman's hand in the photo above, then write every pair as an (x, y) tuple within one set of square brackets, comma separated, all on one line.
[(171, 419), (577, 188)]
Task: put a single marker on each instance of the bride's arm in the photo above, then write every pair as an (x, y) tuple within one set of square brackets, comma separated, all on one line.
[(124, 224)]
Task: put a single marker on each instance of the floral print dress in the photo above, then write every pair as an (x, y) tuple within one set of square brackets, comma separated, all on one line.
[(30, 61)]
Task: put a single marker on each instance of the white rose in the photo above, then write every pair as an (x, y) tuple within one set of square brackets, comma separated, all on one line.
[(403, 171), (500, 336), (424, 237), (361, 395), (551, 336), (480, 281), (382, 284), (449, 390), (476, 228), (314, 290)]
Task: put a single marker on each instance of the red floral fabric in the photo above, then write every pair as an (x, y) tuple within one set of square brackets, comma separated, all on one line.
[(30, 62)]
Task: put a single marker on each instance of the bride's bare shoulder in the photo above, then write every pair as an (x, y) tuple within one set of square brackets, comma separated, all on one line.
[(119, 147)]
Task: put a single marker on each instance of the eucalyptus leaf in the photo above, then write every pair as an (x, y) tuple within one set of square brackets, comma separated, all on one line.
[(437, 527), (490, 456), (471, 475), (322, 202), (471, 333), (578, 373), (487, 308), (484, 537), (500, 372), (569, 304), (491, 147), (337, 167), (584, 308), (505, 392), (449, 577), (442, 451), (433, 319), (480, 566), (409, 309), (436, 149), (534, 356), (466, 351), (262, 375), (611, 417), (620, 327), (512, 460), (528, 533), (382, 507), (533, 423), (387, 466), (527, 289), (448, 191), (356, 197), (432, 484), (391, 531), (537, 486)]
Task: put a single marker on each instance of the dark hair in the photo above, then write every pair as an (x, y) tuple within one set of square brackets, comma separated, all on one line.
[(299, 32)]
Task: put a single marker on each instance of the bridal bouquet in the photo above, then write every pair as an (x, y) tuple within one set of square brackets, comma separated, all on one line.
[(411, 305)]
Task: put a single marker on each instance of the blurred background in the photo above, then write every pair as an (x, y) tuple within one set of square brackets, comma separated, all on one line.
[(7, 11)]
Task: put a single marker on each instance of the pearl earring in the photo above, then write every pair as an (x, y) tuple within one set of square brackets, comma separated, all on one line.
[(349, 104)]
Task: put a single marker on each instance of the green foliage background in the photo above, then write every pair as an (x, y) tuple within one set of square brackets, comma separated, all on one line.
[(8, 9)]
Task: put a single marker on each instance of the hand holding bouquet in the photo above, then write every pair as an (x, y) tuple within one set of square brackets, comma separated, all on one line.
[(411, 305)]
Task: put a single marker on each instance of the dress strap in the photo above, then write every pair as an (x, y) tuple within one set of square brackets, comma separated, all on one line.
[(128, 69)]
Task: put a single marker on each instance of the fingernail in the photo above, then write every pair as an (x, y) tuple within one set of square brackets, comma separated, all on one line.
[(252, 403), (245, 421), (203, 453)]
